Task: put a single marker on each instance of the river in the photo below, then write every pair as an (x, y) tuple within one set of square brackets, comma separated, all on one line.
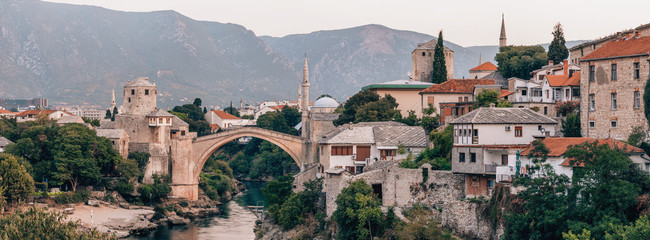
[(235, 223)]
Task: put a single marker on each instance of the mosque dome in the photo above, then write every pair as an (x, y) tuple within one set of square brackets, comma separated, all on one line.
[(326, 102)]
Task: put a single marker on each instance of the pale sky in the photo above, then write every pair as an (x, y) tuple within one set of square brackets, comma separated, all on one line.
[(464, 22)]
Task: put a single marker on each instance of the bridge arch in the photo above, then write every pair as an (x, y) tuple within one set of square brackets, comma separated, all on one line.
[(203, 147)]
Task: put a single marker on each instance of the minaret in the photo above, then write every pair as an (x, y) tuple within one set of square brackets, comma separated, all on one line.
[(299, 98), (305, 100), (502, 38), (113, 100)]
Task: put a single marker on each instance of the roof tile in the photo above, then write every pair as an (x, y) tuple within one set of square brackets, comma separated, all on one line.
[(620, 48), (457, 86)]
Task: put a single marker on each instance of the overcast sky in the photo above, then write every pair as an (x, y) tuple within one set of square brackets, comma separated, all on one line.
[(465, 22)]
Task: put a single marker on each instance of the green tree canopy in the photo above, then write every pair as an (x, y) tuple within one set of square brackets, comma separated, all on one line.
[(557, 51), (368, 106), (353, 103), (519, 61), (439, 74), (358, 214), (486, 97), (571, 126), (197, 102), (14, 178), (36, 223)]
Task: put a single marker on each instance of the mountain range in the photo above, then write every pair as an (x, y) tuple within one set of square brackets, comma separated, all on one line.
[(75, 54)]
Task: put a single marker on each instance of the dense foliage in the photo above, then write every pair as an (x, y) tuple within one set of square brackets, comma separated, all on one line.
[(557, 51), (519, 61), (15, 181), (358, 214), (38, 224), (421, 225), (216, 179), (571, 126), (565, 108), (601, 195), (439, 156), (194, 116), (155, 192), (439, 74), (290, 209)]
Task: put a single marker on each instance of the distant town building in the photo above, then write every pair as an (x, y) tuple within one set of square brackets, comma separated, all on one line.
[(225, 120), (23, 103), (482, 70), (405, 92), (33, 115), (7, 114), (486, 142), (422, 61), (612, 83)]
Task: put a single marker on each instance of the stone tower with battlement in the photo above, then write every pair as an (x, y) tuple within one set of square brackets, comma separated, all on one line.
[(502, 37), (422, 61), (139, 97)]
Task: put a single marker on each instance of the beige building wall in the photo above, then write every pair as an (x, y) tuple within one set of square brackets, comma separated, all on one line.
[(443, 98), (626, 115), (408, 100)]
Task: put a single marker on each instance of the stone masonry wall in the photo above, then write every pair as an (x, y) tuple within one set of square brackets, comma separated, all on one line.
[(626, 115)]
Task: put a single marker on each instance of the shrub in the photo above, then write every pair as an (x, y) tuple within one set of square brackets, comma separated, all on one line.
[(156, 191), (72, 197)]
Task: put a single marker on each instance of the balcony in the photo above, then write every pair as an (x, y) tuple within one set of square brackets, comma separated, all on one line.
[(491, 168)]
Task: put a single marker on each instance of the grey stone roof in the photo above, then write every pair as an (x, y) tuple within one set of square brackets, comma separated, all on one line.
[(110, 133), (486, 115), (140, 82), (498, 78), (4, 141), (160, 113), (409, 136), (106, 123), (379, 133), (325, 116), (177, 122)]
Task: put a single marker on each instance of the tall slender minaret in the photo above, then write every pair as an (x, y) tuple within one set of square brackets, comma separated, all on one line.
[(113, 100), (305, 100), (299, 98), (502, 38)]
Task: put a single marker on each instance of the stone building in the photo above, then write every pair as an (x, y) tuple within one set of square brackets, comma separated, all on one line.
[(584, 49), (422, 61), (612, 83), (148, 129)]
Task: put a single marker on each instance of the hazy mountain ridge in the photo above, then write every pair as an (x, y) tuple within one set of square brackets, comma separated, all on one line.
[(77, 54)]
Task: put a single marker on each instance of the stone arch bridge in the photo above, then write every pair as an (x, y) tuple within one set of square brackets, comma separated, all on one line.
[(188, 157)]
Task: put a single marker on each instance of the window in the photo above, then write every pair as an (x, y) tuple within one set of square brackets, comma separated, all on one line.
[(518, 132), (536, 92), (146, 92), (567, 93), (592, 102), (637, 100), (540, 77), (461, 157), (504, 159), (429, 100), (460, 99), (387, 153), (475, 132), (472, 157), (613, 123), (575, 92), (524, 92), (636, 70), (614, 72), (545, 110), (592, 124), (342, 150), (547, 93), (613, 101), (129, 99), (592, 73), (424, 54), (132, 92), (466, 99)]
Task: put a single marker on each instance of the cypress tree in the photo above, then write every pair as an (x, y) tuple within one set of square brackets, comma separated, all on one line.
[(557, 51), (439, 73), (114, 113)]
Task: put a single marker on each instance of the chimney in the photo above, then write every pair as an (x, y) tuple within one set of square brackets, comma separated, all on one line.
[(629, 35), (618, 36), (565, 67), (492, 105), (637, 34), (550, 62)]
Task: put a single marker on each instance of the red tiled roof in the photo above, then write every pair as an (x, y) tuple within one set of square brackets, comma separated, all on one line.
[(224, 115), (563, 80), (280, 107), (214, 127), (505, 93), (35, 112), (457, 86), (2, 111), (557, 146), (486, 66), (621, 48)]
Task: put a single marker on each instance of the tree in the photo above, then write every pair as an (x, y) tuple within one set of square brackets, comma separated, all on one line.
[(35, 223), (232, 111), (358, 214), (382, 110), (565, 108), (571, 126), (197, 102), (115, 112), (324, 95), (353, 103), (637, 136), (557, 51), (519, 61), (439, 74), (109, 115), (14, 178), (205, 110), (486, 97)]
